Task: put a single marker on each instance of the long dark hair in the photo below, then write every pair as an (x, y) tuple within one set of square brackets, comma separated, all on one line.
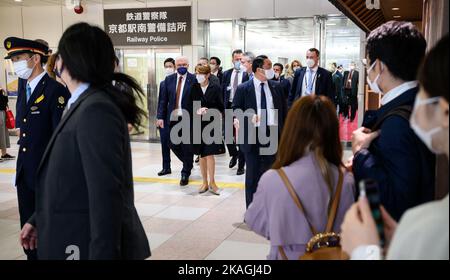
[(88, 54), (311, 124)]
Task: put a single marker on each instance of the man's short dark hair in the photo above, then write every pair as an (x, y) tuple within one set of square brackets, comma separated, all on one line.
[(400, 46), (238, 51), (263, 56), (204, 58), (216, 59), (315, 50), (279, 65), (258, 63), (170, 60)]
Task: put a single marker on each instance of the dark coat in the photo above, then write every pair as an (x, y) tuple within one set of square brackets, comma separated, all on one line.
[(245, 99), (38, 120), (168, 95), (354, 84), (338, 88), (401, 164), (85, 193), (212, 99), (285, 85), (324, 84), (226, 83)]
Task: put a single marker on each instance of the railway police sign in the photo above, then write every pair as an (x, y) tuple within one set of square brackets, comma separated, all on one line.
[(149, 26)]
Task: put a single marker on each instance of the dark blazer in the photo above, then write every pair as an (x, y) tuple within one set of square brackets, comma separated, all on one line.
[(324, 84), (245, 99), (85, 195), (338, 87), (397, 159), (21, 100), (38, 119), (355, 82), (168, 95), (226, 82), (212, 99), (285, 85)]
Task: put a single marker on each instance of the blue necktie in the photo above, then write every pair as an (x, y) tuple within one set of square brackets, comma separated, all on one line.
[(263, 106), (309, 90), (28, 92)]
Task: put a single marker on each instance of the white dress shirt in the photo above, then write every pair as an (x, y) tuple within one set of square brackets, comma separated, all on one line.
[(180, 110), (233, 74), (307, 77), (33, 83), (396, 92), (272, 120)]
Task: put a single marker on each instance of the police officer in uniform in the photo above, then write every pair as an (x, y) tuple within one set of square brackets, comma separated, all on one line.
[(41, 102)]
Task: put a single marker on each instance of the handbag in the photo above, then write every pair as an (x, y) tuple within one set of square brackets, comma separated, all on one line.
[(10, 121), (325, 245)]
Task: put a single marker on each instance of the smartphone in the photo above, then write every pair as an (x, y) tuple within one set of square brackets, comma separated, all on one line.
[(369, 188)]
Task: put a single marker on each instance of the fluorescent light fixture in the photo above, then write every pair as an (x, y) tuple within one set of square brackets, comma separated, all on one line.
[(17, 0), (395, 9), (397, 16)]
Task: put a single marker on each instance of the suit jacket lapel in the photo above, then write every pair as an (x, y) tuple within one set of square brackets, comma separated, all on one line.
[(300, 81), (63, 121), (318, 81)]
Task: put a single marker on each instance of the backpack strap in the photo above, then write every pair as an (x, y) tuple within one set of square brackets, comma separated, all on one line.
[(335, 203), (295, 197), (404, 112)]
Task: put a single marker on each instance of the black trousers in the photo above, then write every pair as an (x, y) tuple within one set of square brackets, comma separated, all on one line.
[(352, 105), (183, 152), (165, 145), (27, 206), (233, 148), (257, 165)]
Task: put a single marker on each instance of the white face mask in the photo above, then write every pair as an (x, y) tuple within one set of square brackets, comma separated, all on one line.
[(201, 78), (374, 85), (169, 71), (296, 68), (310, 62), (277, 75), (243, 68), (22, 70), (269, 74), (352, 67), (425, 136)]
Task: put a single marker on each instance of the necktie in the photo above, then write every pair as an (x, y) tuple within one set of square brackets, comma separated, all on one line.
[(349, 80), (180, 82), (309, 89), (235, 84), (28, 92), (264, 116)]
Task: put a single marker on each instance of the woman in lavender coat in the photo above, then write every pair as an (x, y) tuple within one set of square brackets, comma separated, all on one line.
[(310, 154)]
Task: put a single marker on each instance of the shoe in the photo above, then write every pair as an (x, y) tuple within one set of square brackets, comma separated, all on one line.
[(203, 189), (233, 161), (197, 159), (211, 190), (164, 172), (184, 180), (240, 171), (8, 157)]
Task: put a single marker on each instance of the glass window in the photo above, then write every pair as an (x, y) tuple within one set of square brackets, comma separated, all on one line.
[(220, 41), (342, 42)]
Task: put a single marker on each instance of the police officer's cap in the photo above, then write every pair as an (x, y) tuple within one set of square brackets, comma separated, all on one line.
[(15, 46)]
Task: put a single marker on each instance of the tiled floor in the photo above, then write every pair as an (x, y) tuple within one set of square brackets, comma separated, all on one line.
[(180, 223)]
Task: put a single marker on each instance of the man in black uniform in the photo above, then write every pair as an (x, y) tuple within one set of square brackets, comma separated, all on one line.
[(40, 104)]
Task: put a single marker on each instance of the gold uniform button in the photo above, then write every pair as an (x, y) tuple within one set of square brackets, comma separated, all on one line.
[(24, 149), (23, 135)]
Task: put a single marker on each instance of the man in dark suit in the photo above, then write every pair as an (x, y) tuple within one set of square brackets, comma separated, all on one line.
[(285, 84), (386, 149), (263, 99), (164, 132), (311, 79), (175, 103), (40, 104), (351, 84), (337, 85), (232, 78), (214, 63)]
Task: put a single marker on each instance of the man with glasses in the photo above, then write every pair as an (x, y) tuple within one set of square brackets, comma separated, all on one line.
[(40, 104)]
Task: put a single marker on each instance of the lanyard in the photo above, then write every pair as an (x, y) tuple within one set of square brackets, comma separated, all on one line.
[(313, 80)]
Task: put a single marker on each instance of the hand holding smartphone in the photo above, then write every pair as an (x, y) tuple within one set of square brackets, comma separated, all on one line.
[(369, 189)]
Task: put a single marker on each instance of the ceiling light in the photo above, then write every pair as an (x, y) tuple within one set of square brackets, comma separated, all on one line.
[(395, 9), (397, 16), (17, 0)]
